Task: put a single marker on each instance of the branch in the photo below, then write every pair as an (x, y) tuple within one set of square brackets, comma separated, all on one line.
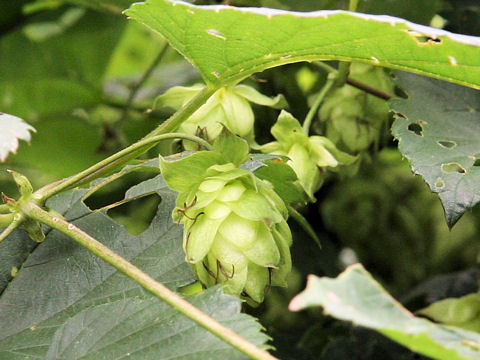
[(173, 299)]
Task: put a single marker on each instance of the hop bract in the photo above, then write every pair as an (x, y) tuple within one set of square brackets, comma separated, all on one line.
[(228, 107), (235, 230), (307, 154)]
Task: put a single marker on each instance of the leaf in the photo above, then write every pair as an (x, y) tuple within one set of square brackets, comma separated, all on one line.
[(150, 329), (12, 129), (462, 312), (283, 179), (60, 278), (228, 44), (355, 296), (437, 128)]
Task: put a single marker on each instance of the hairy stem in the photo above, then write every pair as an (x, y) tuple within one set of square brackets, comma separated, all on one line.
[(130, 152), (176, 301), (331, 80)]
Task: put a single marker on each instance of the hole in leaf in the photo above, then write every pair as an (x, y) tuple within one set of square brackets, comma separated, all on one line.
[(423, 39), (453, 167), (476, 162), (136, 215), (399, 92), (416, 128), (447, 144), (439, 183)]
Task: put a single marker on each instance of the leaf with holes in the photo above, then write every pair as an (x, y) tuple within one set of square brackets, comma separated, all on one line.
[(355, 296), (437, 128), (228, 44), (12, 129), (74, 289)]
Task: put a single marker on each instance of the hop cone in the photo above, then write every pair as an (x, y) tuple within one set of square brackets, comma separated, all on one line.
[(235, 230), (228, 107), (354, 119)]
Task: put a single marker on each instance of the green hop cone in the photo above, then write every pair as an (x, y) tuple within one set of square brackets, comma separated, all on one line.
[(354, 120), (235, 229), (307, 154), (228, 107)]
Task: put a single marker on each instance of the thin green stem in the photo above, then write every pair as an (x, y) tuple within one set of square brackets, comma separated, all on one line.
[(318, 101), (342, 74), (115, 160), (18, 219), (176, 301), (353, 4), (355, 83)]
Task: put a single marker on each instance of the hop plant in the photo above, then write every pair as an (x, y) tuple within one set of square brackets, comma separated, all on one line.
[(354, 119), (235, 229), (228, 107), (307, 154)]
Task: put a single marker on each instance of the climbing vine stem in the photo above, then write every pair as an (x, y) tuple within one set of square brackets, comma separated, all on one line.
[(133, 150), (159, 290)]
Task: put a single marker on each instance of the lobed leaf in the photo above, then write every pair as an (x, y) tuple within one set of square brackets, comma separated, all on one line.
[(228, 44), (355, 296), (437, 128)]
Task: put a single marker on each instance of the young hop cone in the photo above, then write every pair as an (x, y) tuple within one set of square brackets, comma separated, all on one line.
[(228, 107), (307, 154), (235, 229), (354, 119)]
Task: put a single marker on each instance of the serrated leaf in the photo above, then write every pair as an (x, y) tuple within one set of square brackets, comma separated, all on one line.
[(12, 129), (438, 129), (228, 44), (63, 278), (355, 296), (150, 329)]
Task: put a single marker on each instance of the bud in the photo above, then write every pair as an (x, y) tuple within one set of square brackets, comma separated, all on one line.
[(354, 119), (228, 107), (235, 230), (308, 155)]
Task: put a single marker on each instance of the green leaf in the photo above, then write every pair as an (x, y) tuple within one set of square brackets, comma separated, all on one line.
[(59, 278), (233, 148), (228, 44), (462, 312), (283, 179), (188, 170), (150, 329), (438, 128), (13, 253), (12, 129), (355, 296)]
